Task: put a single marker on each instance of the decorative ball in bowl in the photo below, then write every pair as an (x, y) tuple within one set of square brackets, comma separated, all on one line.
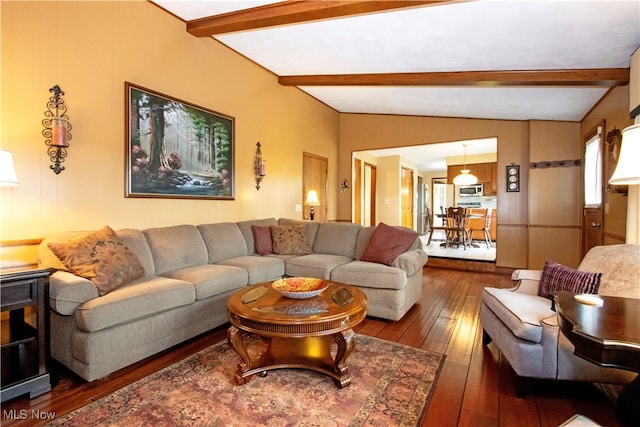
[(300, 287)]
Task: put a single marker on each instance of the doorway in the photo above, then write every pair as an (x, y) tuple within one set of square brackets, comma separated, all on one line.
[(314, 178)]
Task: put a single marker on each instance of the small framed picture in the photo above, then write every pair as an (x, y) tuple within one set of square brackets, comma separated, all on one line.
[(513, 178)]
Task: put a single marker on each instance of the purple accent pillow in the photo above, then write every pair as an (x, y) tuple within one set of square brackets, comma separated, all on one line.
[(262, 239), (386, 243), (557, 277)]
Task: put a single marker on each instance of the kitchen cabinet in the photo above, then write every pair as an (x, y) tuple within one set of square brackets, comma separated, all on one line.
[(487, 174)]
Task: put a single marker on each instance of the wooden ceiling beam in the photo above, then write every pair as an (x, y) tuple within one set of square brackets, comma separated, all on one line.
[(605, 77), (292, 12)]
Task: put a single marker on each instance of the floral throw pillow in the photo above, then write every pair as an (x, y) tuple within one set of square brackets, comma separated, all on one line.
[(290, 239), (557, 277), (101, 257)]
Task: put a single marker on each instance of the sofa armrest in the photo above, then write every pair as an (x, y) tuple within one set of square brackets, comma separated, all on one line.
[(527, 281), (411, 261), (68, 291)]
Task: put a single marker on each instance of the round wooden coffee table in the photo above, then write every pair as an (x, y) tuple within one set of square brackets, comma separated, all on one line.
[(299, 333)]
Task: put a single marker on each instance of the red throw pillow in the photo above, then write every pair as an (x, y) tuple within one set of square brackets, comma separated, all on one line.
[(262, 239), (557, 277), (386, 243)]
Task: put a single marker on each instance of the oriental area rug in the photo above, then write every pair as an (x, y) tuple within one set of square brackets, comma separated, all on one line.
[(391, 386)]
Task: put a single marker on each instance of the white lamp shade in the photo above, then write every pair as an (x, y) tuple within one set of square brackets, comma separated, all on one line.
[(7, 172), (312, 198), (465, 178), (628, 168)]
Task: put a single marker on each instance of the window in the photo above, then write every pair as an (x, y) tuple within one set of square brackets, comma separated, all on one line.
[(593, 172)]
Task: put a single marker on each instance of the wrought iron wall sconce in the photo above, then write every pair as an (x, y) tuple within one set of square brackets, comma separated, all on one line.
[(259, 166), (57, 129), (344, 186)]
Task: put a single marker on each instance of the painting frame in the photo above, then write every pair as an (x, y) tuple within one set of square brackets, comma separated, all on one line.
[(176, 149)]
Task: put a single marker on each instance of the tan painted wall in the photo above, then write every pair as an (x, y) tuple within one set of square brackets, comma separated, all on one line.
[(555, 207), (90, 49)]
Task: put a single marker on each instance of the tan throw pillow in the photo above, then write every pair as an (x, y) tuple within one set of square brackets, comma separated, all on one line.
[(386, 243), (290, 240), (100, 256)]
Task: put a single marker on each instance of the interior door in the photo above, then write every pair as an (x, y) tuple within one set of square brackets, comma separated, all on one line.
[(314, 177), (593, 189), (357, 191), (407, 192), (369, 195)]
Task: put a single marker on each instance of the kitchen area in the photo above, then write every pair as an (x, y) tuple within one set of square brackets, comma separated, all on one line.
[(481, 201)]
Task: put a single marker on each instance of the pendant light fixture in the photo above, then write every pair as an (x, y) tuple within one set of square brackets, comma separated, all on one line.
[(465, 177)]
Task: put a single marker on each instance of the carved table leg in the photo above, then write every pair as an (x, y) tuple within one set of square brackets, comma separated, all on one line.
[(346, 343), (236, 338)]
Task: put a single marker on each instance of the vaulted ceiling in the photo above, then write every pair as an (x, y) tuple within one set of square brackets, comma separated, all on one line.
[(520, 60)]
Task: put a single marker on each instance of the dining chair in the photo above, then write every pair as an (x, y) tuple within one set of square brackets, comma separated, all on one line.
[(457, 227), (480, 221), (434, 227)]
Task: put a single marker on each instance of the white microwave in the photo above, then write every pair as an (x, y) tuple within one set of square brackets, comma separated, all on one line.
[(470, 190)]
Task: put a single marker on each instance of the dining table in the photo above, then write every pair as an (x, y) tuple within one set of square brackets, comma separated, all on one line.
[(443, 216)]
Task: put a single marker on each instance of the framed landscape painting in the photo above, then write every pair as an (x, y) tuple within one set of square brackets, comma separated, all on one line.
[(175, 149)]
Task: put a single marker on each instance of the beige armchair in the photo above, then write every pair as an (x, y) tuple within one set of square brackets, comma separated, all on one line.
[(525, 329)]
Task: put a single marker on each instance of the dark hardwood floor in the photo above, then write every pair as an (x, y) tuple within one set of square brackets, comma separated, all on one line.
[(475, 387)]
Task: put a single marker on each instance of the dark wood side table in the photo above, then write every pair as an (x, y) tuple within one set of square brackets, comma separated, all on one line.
[(24, 337), (608, 335)]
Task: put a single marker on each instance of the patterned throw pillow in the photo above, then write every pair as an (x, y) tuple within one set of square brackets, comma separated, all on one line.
[(262, 239), (101, 257), (386, 243), (557, 277), (290, 240)]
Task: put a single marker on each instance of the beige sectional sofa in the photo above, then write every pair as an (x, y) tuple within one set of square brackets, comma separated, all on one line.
[(190, 271)]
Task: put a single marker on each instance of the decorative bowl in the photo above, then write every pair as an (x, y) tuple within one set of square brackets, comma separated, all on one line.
[(300, 287)]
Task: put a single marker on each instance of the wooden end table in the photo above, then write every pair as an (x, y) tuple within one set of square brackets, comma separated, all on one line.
[(24, 295), (299, 333), (609, 336)]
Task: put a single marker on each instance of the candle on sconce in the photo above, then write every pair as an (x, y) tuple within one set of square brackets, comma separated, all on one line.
[(59, 133), (263, 168)]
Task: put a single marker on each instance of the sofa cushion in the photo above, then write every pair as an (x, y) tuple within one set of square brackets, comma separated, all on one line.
[(619, 267), (100, 256), (314, 265), (336, 238), (370, 275), (176, 247), (141, 298), (521, 313), (259, 268), (263, 244), (557, 277), (211, 279), (247, 233), (290, 240), (223, 240), (386, 243), (135, 240)]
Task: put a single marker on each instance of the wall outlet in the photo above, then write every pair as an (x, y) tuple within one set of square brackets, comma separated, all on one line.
[(298, 208)]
